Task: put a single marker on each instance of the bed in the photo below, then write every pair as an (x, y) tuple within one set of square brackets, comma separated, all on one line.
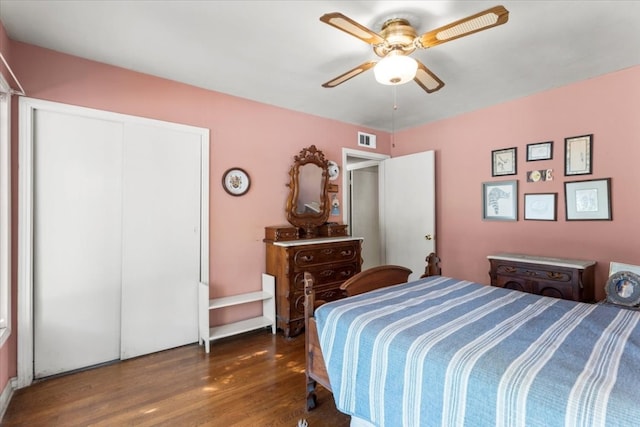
[(447, 352)]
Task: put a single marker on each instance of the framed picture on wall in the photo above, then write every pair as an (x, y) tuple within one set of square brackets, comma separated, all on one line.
[(236, 181), (500, 200), (540, 206), (588, 200), (503, 162), (577, 155), (540, 151)]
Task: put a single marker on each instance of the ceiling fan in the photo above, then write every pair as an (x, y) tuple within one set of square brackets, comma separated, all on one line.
[(398, 39)]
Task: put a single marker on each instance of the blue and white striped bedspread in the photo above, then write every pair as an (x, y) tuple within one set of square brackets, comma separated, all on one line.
[(444, 352)]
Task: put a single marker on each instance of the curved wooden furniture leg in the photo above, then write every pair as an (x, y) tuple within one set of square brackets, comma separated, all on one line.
[(311, 394)]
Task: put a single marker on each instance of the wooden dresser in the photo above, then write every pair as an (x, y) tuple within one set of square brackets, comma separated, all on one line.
[(564, 278), (331, 261)]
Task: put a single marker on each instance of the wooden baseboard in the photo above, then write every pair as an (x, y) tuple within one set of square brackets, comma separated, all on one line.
[(6, 395)]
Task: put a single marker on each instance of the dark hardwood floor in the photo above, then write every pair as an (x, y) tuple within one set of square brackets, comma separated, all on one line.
[(255, 379)]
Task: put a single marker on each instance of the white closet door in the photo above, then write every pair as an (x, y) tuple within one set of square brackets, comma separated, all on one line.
[(161, 239), (77, 244), (409, 210)]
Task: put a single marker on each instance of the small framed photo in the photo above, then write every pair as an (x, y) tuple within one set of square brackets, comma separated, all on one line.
[(588, 200), (500, 201), (540, 206), (577, 155), (503, 162), (540, 151)]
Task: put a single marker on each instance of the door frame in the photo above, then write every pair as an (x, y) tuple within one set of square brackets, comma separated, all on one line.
[(365, 159), (27, 108)]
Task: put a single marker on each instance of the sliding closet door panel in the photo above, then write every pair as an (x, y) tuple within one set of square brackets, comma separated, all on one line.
[(161, 239), (77, 243)]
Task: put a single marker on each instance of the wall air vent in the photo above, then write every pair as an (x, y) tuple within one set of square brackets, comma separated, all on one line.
[(366, 140)]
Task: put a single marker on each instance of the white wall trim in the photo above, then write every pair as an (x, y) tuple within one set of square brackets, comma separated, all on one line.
[(5, 210), (27, 109), (6, 395), (25, 239)]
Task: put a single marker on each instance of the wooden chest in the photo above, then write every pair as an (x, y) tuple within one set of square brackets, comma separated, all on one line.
[(279, 233), (332, 230), (331, 261), (554, 277)]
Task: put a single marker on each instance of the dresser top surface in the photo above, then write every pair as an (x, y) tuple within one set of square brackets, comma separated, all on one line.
[(559, 262), (318, 240)]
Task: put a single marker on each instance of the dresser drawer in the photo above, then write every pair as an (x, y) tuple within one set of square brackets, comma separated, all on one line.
[(331, 273), (537, 272), (306, 257), (323, 293)]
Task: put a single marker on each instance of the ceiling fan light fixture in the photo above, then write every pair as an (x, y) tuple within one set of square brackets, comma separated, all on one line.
[(395, 69)]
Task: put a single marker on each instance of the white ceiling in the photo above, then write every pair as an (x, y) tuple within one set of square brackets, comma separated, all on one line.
[(279, 53)]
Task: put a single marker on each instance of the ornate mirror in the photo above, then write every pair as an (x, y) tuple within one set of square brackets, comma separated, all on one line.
[(308, 203)]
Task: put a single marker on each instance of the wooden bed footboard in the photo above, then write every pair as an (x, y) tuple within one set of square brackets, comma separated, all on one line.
[(368, 280), (315, 368)]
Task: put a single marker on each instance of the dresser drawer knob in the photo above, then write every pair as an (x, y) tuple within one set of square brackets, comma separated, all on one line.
[(327, 273), (346, 253), (307, 258)]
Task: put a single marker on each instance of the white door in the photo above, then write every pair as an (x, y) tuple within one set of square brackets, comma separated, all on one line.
[(409, 210), (77, 242), (161, 239)]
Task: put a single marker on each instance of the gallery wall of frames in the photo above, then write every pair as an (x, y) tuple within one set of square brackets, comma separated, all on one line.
[(585, 199)]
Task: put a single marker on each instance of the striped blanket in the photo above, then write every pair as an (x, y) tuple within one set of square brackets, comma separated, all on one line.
[(444, 352)]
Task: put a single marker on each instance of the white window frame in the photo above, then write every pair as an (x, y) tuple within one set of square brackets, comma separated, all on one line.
[(5, 210)]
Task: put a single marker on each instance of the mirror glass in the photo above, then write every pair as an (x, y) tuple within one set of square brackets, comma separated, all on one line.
[(309, 189), (308, 203)]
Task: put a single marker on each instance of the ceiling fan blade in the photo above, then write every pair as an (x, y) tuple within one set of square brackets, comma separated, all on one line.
[(349, 74), (349, 26), (480, 21), (426, 79)]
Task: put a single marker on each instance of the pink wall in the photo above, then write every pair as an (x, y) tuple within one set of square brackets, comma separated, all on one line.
[(605, 106), (260, 138)]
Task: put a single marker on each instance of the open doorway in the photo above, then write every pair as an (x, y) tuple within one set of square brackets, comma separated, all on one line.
[(361, 200)]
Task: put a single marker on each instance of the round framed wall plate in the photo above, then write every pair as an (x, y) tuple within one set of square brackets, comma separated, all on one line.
[(236, 181), (623, 288), (334, 170)]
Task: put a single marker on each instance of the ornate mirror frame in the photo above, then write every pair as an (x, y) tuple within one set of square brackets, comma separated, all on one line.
[(308, 221)]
